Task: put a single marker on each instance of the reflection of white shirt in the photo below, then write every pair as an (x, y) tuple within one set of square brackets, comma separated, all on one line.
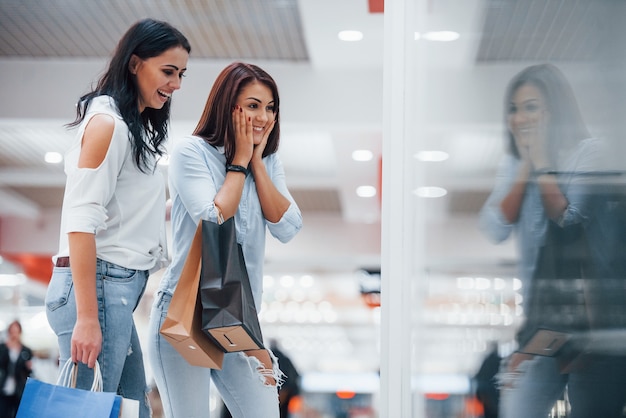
[(123, 206), (9, 383)]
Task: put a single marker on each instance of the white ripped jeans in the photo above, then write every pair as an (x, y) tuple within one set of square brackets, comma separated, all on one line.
[(184, 388)]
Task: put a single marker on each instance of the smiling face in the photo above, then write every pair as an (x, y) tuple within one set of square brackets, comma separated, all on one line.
[(159, 76), (257, 102), (527, 115)]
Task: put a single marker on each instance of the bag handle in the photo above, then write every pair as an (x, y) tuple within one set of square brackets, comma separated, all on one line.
[(69, 375), (220, 216)]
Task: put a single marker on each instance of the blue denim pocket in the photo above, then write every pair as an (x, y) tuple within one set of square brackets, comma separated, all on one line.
[(59, 288), (115, 273), (120, 284)]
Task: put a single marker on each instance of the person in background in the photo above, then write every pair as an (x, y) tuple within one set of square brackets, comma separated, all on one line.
[(291, 387), (487, 391), (113, 217), (15, 368), (228, 167)]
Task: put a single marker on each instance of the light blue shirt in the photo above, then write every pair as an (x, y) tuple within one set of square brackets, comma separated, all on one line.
[(196, 173), (532, 222)]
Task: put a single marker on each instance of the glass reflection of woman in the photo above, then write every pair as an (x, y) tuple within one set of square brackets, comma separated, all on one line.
[(546, 134), (539, 183)]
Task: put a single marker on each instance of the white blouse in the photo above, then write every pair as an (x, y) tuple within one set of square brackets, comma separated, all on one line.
[(123, 206)]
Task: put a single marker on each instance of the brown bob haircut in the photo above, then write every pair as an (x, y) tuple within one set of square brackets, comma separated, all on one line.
[(216, 122)]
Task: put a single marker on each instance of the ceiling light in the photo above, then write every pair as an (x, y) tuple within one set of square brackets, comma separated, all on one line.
[(281, 295), (430, 192), (350, 35), (362, 155), (53, 157), (287, 281), (330, 317), (298, 295), (325, 306), (270, 316), (307, 281), (366, 191), (301, 317), (432, 156), (482, 283), (285, 316), (268, 281), (441, 36), (465, 283), (315, 317)]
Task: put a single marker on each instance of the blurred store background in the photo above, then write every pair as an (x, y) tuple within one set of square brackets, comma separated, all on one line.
[(321, 301)]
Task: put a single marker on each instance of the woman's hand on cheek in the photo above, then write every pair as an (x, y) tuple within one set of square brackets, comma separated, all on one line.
[(243, 137), (538, 155), (258, 149)]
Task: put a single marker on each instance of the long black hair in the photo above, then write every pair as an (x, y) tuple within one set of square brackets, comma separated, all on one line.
[(147, 38)]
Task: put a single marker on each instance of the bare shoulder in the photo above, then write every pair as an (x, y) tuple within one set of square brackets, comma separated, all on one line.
[(96, 140)]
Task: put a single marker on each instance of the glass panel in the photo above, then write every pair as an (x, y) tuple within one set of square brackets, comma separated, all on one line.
[(514, 127)]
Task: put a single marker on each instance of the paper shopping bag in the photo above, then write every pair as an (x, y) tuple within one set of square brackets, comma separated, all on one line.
[(45, 400), (182, 327), (229, 314), (129, 408)]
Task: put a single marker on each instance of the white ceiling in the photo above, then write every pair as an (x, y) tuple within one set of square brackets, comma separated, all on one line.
[(331, 95)]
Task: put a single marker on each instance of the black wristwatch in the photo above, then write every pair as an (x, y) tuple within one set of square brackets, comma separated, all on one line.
[(237, 168)]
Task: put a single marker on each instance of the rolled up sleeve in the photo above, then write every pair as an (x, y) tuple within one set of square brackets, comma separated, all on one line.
[(89, 190), (491, 219), (291, 221)]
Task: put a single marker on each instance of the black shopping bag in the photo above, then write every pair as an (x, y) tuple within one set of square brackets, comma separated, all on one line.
[(229, 314), (579, 285), (556, 300)]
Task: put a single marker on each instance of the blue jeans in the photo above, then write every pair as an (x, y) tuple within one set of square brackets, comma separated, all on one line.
[(184, 388), (118, 291), (597, 388)]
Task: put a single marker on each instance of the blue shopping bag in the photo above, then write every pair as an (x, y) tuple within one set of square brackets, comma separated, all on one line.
[(61, 400)]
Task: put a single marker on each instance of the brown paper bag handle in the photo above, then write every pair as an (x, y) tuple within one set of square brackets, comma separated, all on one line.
[(220, 216)]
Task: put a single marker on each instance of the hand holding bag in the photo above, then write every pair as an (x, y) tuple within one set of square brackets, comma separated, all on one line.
[(229, 314), (182, 325), (63, 400)]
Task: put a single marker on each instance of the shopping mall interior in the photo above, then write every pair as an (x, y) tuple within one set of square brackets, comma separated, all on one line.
[(392, 126)]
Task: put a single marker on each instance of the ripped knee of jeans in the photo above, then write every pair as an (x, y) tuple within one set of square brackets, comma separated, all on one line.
[(266, 365), (147, 400)]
